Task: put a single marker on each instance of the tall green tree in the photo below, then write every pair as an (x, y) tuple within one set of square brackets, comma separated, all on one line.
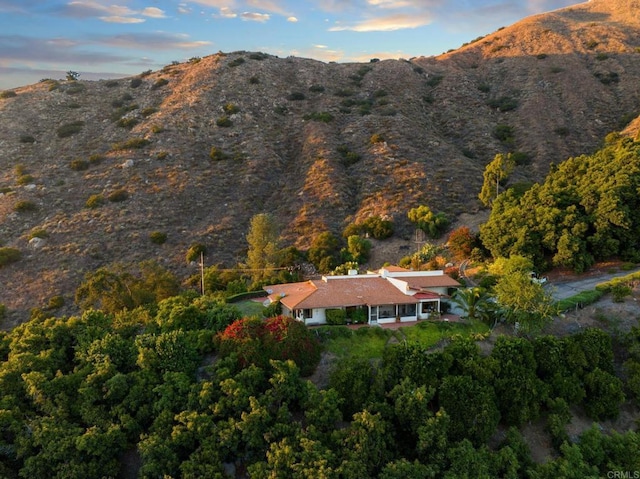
[(324, 251), (525, 302), (263, 252), (497, 171), (433, 224)]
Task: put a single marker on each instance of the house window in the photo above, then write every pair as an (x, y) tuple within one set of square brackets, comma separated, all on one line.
[(428, 307), (406, 310), (307, 313), (387, 311)]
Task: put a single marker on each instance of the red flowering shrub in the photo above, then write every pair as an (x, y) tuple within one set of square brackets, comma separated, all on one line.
[(257, 341)]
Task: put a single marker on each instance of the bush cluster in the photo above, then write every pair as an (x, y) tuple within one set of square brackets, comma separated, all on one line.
[(9, 255), (69, 129), (257, 342)]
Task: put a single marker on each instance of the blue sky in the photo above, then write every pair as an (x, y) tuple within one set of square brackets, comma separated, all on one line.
[(110, 38)]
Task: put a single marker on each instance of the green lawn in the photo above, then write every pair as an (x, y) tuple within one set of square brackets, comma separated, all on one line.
[(429, 333), (368, 343), (363, 343), (249, 308)]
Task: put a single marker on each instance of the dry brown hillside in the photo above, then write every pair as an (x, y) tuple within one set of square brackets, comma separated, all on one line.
[(200, 147)]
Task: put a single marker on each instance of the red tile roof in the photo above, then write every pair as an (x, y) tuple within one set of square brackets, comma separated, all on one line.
[(423, 282), (335, 292)]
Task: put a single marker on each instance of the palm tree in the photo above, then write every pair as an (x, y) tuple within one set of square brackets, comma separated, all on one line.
[(476, 304)]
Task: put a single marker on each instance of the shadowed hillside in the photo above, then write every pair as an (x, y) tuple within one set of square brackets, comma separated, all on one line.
[(196, 149)]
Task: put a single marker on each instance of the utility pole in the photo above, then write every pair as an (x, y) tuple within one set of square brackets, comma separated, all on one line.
[(202, 272)]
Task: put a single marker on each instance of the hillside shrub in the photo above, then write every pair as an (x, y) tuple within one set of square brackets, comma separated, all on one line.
[(131, 144), (96, 159), (127, 122), (9, 255), (217, 154), (156, 128), (316, 88), (336, 316), (504, 133), (237, 62), (376, 138), (296, 96), (8, 94), (323, 116), (70, 129), (94, 201), (118, 195), (434, 80), (348, 157), (376, 227), (158, 237), (159, 83), (254, 80), (3, 311), (591, 44), (224, 122), (194, 251), (148, 111), (608, 77), (27, 139), (135, 82), (24, 206), (74, 89), (258, 56), (38, 233), (79, 165), (25, 179), (231, 108), (503, 103), (343, 93), (55, 302)]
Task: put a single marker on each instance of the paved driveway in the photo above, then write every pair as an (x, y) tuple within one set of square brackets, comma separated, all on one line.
[(565, 289)]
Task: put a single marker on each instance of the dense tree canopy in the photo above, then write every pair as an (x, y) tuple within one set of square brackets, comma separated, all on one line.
[(586, 210), (191, 391)]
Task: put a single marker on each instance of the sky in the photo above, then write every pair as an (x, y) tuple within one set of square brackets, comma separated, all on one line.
[(115, 38)]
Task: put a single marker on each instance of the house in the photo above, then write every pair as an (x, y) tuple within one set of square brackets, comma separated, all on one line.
[(385, 296)]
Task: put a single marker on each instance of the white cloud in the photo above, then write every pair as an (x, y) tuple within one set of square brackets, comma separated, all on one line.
[(292, 19), (386, 24), (153, 12), (216, 3), (320, 52), (268, 5), (151, 41), (255, 17), (117, 19), (227, 13)]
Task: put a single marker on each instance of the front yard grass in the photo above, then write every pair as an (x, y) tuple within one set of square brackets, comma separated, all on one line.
[(369, 342), (429, 333), (250, 308)]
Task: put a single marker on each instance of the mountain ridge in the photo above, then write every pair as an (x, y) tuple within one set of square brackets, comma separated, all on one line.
[(317, 145)]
